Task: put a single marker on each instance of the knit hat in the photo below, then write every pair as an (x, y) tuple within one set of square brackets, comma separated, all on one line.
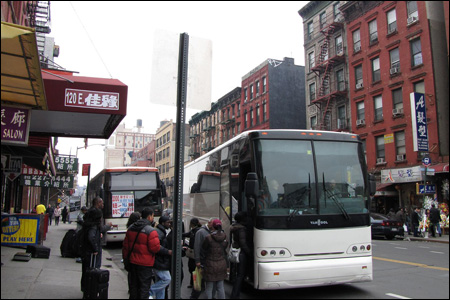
[(216, 223), (164, 219)]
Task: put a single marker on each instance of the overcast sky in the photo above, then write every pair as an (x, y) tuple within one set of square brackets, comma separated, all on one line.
[(115, 39)]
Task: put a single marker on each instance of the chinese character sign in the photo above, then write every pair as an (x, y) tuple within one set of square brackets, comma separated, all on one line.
[(60, 182), (91, 99), (15, 125), (66, 163), (122, 205), (419, 122)]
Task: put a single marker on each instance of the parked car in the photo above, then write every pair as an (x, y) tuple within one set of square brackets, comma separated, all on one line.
[(382, 226)]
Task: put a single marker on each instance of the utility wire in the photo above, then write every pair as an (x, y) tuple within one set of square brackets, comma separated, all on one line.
[(92, 42)]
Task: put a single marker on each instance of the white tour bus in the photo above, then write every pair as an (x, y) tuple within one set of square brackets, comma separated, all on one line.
[(307, 196)]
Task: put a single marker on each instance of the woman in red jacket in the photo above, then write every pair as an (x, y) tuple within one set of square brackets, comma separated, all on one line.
[(143, 242)]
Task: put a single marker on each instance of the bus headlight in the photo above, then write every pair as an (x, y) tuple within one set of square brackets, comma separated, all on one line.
[(359, 248), (274, 252)]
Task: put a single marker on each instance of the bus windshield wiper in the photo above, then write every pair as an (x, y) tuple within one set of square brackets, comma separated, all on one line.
[(338, 203), (298, 199)]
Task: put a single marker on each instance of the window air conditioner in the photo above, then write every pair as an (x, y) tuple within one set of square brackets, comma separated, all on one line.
[(359, 85), (357, 48), (400, 157), (394, 70), (380, 160), (397, 111), (360, 122), (412, 20)]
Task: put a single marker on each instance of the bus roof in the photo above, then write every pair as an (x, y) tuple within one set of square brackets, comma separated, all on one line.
[(131, 169)]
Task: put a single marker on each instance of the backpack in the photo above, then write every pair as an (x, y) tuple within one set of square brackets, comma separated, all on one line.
[(79, 245)]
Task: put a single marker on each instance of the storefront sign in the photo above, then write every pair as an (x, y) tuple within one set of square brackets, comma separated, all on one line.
[(122, 205), (66, 163), (419, 122), (18, 230), (61, 182), (91, 99), (425, 189), (15, 125), (411, 174), (389, 138)]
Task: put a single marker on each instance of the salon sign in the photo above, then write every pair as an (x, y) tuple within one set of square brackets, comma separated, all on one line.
[(15, 125)]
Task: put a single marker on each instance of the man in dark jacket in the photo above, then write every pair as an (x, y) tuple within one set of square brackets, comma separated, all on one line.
[(435, 218), (162, 261), (142, 258), (415, 220)]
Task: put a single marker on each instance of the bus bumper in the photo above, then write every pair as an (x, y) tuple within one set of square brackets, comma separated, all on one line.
[(296, 274), (115, 235)]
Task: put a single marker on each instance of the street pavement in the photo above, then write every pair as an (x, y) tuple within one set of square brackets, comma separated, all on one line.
[(59, 277)]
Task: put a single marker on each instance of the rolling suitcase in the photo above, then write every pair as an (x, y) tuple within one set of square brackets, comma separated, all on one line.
[(22, 256), (97, 281), (38, 251)]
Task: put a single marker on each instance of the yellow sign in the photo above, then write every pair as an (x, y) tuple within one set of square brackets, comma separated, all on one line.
[(388, 138), (20, 230)]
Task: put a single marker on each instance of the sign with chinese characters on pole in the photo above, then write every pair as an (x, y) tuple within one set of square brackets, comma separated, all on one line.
[(60, 182), (15, 125), (419, 122), (91, 99), (66, 163)]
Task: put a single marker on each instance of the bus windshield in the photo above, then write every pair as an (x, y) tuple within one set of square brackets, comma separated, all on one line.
[(301, 177), (133, 180)]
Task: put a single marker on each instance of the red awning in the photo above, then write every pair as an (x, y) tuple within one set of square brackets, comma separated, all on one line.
[(440, 168), (80, 106), (384, 186)]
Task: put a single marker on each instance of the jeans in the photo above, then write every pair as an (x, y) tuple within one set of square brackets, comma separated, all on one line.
[(217, 286), (158, 290)]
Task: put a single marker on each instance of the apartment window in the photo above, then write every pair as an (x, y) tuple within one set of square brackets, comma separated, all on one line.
[(310, 30), (412, 9), (360, 111), (359, 77), (311, 60), (341, 117), (257, 114), (397, 99), (356, 40), (251, 92), (336, 11), (264, 84), (324, 52), (340, 80), (391, 21), (419, 87), (245, 119), (378, 104), (416, 52), (373, 32), (264, 111), (313, 121), (376, 74), (395, 60), (239, 109), (245, 94), (251, 116), (338, 44), (380, 147), (312, 91), (257, 88), (323, 20), (400, 145)]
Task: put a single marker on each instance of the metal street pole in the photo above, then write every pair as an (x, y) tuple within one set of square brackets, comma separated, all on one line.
[(179, 166)]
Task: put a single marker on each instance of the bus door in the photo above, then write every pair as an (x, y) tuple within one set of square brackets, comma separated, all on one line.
[(225, 209)]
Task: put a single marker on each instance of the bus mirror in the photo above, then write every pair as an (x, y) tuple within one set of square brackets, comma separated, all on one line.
[(251, 185), (372, 185)]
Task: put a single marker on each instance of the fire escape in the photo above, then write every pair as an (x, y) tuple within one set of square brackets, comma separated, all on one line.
[(328, 60)]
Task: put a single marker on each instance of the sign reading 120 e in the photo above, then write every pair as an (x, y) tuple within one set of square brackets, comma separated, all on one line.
[(91, 99)]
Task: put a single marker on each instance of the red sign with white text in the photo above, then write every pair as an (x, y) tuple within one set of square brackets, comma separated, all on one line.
[(85, 171), (91, 99)]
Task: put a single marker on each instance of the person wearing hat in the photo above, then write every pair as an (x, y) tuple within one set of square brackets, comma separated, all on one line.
[(215, 271), (162, 261)]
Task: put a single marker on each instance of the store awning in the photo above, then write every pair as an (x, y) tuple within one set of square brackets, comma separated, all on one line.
[(439, 168), (80, 106), (384, 186), (21, 80)]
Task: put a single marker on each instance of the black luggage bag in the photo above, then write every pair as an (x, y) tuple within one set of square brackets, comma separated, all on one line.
[(38, 251), (97, 281), (22, 256), (67, 244)]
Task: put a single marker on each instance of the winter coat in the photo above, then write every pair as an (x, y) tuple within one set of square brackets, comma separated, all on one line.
[(215, 266), (200, 236), (163, 259), (57, 212), (147, 243), (415, 218), (240, 239), (435, 215)]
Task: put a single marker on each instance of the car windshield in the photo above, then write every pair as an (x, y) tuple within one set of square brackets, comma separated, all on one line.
[(306, 177)]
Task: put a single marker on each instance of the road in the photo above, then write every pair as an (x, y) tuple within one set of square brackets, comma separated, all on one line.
[(402, 270)]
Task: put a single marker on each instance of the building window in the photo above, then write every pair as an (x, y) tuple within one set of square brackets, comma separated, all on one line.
[(324, 52), (380, 148), (264, 84), (257, 88), (419, 87), (238, 109), (312, 91), (341, 117), (392, 21), (376, 74), (313, 121), (336, 11), (397, 100), (356, 40), (360, 111), (412, 10), (311, 60), (338, 45), (416, 52), (400, 145), (245, 119), (378, 104), (359, 77), (251, 116), (310, 30), (257, 114), (245, 94), (251, 92), (373, 32), (395, 61), (264, 111), (323, 20), (340, 80)]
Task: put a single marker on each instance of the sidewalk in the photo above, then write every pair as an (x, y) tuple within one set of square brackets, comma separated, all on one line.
[(443, 239), (54, 278)]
